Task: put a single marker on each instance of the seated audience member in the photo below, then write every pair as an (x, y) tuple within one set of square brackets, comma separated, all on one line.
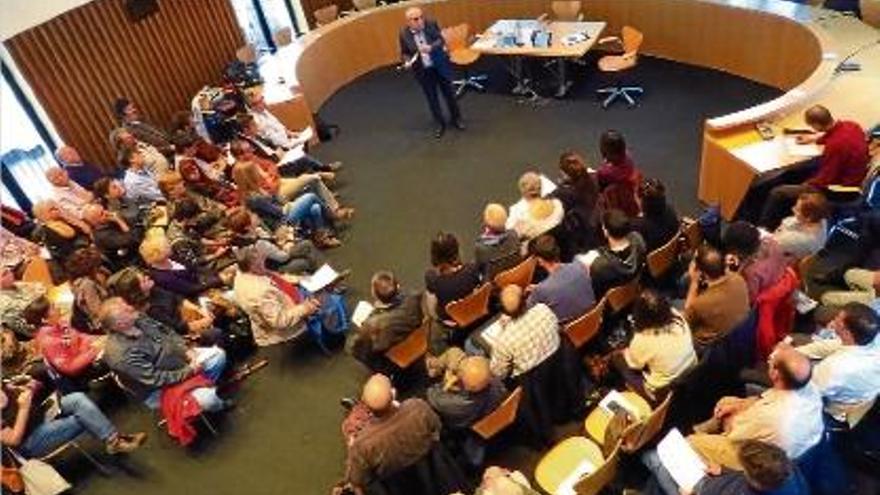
[(15, 298), (660, 350), (16, 251), (87, 279), (140, 292), (112, 196), (567, 290), (117, 242), (198, 238), (141, 185), (497, 248), (278, 310), (285, 252), (788, 415), (621, 260), (400, 434), (395, 315), (149, 357), (848, 372), (658, 223), (154, 161), (471, 394), (130, 118), (59, 232), (307, 209), (757, 258), (171, 275), (527, 336), (21, 357), (579, 194), (34, 438), (448, 279), (84, 174), (68, 195), (844, 162), (766, 470), (207, 179), (618, 176), (74, 355), (174, 189), (805, 232), (717, 299), (500, 481), (864, 287), (533, 215)]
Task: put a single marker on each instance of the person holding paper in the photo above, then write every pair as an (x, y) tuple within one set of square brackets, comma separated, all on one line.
[(844, 162), (766, 471), (394, 316), (788, 415), (423, 50)]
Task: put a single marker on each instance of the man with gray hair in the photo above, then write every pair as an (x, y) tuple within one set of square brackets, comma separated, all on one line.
[(68, 195), (497, 248), (149, 356), (395, 315), (84, 174)]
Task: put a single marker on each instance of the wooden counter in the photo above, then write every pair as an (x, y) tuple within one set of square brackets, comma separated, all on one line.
[(780, 44)]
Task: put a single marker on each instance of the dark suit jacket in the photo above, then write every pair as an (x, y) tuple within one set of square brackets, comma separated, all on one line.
[(434, 37)]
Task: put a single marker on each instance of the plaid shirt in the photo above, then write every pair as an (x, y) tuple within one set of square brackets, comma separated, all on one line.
[(525, 342)]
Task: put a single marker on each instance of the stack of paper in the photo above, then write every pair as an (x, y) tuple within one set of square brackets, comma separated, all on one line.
[(806, 150), (362, 311), (679, 458), (325, 276), (566, 487)]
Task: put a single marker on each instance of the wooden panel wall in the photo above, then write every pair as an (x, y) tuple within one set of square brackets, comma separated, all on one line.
[(80, 62), (309, 6)]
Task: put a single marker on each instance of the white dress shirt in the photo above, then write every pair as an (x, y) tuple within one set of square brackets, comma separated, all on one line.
[(849, 380), (273, 130), (71, 198)]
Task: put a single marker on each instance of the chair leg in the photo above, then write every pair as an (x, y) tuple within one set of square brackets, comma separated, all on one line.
[(98, 465), (208, 424)]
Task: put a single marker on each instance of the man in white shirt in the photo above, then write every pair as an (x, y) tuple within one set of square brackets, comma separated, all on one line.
[(70, 196), (848, 373), (788, 415)]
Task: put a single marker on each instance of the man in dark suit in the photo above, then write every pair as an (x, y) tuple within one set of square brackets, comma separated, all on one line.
[(424, 51)]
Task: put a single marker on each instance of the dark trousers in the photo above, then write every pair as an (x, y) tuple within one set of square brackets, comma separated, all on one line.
[(432, 83), (770, 198)]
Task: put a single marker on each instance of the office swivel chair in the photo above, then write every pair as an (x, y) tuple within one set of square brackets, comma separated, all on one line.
[(870, 10), (460, 54), (630, 39), (567, 10)]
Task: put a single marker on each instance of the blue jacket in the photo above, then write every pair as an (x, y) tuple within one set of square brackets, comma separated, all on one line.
[(434, 37)]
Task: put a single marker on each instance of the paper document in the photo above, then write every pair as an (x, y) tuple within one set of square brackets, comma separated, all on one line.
[(490, 334), (763, 156), (679, 458), (362, 311), (804, 303), (547, 186), (615, 401), (293, 154), (588, 258), (325, 276), (796, 149), (566, 487)]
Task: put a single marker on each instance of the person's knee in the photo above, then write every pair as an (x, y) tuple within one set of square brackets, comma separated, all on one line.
[(74, 401)]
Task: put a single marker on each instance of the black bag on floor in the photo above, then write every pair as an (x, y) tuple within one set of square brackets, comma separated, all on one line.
[(326, 131)]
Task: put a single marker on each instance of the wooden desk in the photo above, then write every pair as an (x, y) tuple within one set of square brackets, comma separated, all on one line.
[(780, 44)]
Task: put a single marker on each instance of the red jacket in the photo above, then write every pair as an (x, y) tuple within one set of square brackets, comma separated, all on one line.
[(844, 160), (776, 311), (178, 406), (67, 350)]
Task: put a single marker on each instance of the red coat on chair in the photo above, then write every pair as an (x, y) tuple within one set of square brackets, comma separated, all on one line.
[(776, 310)]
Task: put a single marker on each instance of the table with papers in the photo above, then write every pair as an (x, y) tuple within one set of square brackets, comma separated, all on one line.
[(517, 39)]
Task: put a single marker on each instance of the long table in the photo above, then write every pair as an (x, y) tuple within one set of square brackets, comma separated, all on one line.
[(782, 44)]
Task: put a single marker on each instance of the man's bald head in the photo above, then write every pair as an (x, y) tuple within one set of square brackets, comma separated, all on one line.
[(68, 155), (819, 118), (511, 300), (789, 369), (378, 393), (474, 373)]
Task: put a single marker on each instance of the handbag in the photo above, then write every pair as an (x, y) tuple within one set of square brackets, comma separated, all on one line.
[(39, 477)]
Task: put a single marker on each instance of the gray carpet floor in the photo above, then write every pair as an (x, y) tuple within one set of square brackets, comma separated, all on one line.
[(283, 438)]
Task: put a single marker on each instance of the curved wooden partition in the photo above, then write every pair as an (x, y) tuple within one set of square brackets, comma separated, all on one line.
[(792, 47)]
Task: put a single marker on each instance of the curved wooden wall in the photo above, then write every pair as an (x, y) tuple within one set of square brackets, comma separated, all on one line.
[(776, 51)]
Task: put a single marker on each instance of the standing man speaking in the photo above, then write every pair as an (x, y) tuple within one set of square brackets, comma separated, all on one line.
[(424, 51)]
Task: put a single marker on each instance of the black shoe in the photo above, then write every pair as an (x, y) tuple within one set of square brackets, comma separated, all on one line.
[(458, 125), (439, 131), (347, 403)]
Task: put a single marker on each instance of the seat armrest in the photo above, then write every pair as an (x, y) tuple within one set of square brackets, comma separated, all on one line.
[(610, 39), (844, 189)]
